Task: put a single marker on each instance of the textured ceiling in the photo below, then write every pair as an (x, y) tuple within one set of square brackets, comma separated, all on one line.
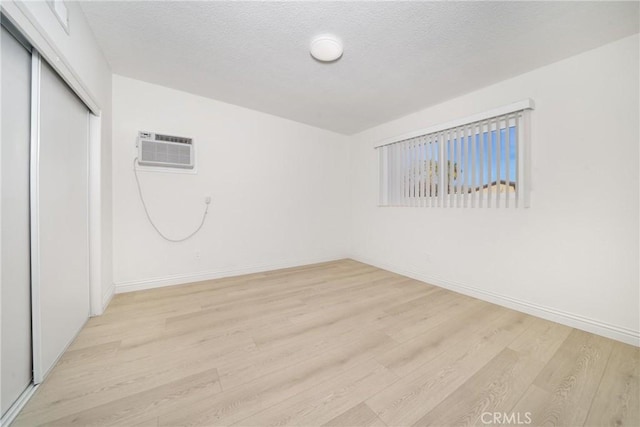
[(399, 56)]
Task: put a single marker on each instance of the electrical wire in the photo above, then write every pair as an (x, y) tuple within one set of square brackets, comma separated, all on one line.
[(146, 211)]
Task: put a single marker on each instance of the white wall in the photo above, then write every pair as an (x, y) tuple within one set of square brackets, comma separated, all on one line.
[(79, 52), (280, 196), (573, 256)]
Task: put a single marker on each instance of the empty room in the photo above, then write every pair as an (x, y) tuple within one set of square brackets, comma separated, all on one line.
[(320, 213)]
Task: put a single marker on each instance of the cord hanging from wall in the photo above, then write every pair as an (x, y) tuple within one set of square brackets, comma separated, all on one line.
[(167, 151)]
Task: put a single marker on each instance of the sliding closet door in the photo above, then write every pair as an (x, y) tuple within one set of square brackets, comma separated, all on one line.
[(16, 281), (62, 264)]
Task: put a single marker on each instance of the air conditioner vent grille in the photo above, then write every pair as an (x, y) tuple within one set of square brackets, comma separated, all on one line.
[(169, 138)]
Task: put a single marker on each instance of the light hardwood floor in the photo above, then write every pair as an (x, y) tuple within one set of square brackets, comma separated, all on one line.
[(335, 344)]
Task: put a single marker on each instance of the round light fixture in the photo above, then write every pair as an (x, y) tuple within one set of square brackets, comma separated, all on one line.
[(326, 48)]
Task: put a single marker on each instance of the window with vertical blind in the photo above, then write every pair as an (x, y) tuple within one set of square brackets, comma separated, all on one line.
[(476, 162)]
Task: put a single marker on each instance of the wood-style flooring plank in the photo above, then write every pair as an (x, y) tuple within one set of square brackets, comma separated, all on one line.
[(499, 384), (245, 400), (360, 415), (322, 403), (617, 401), (563, 391), (136, 407)]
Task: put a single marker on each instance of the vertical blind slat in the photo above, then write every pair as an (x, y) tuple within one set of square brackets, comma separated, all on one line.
[(442, 170), (418, 171), (427, 176), (425, 170), (398, 175), (412, 188), (387, 174), (454, 166), (415, 171), (416, 175), (423, 182), (445, 170), (434, 172), (490, 163), (449, 171), (483, 163), (507, 168), (395, 175), (482, 147), (467, 161), (471, 167), (460, 169), (408, 169), (398, 184), (517, 143), (431, 170), (391, 174), (420, 180), (381, 176), (439, 170), (409, 174), (474, 178), (401, 175), (498, 160)]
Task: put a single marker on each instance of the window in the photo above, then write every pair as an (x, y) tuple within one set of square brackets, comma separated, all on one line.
[(476, 162)]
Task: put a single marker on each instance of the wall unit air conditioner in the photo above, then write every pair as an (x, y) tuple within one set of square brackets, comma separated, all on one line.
[(155, 149)]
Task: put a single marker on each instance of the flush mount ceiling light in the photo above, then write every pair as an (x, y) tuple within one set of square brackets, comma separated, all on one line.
[(326, 48)]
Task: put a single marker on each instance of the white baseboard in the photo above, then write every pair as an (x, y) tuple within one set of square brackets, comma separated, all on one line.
[(180, 279), (617, 333)]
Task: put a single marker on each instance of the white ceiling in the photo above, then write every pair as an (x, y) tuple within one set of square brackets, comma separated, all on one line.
[(399, 57)]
